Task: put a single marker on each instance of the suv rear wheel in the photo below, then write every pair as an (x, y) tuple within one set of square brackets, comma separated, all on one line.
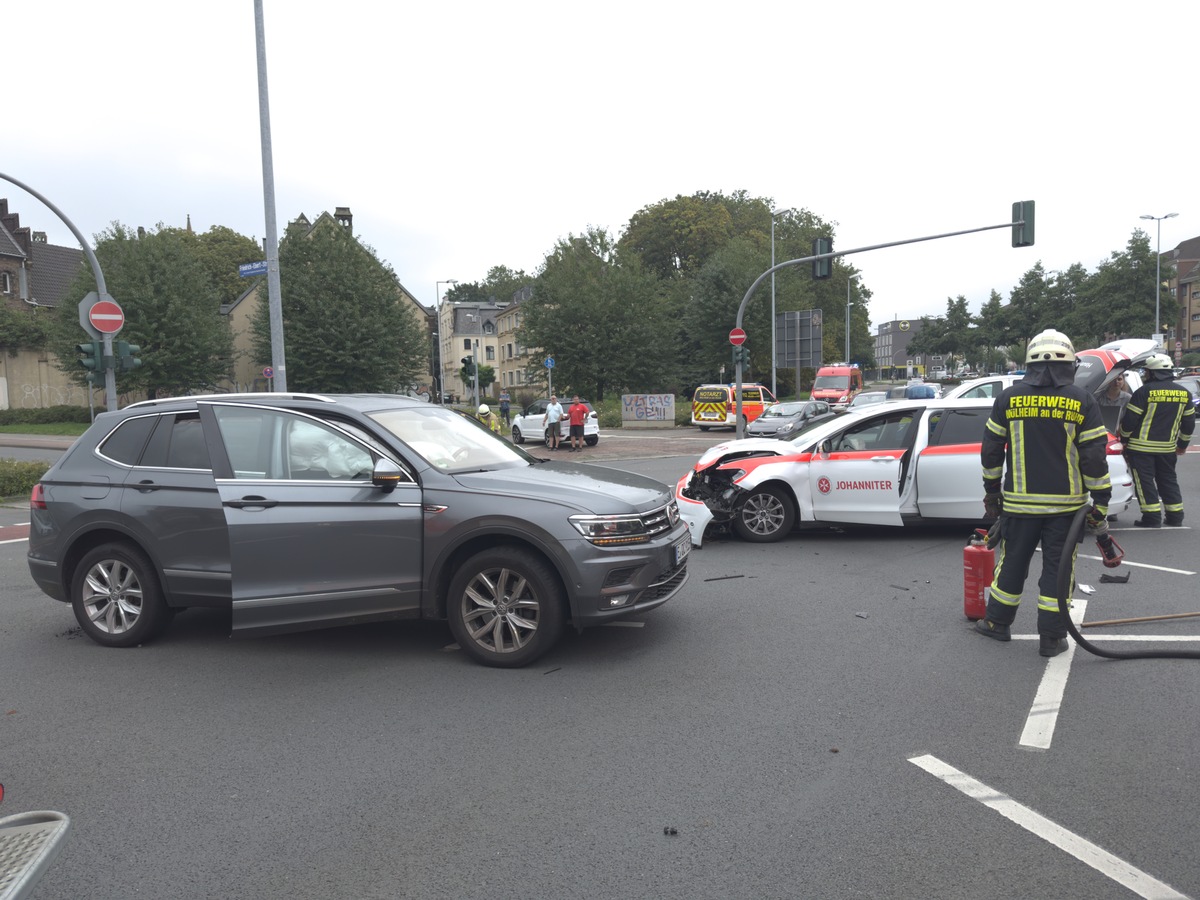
[(505, 607), (116, 596)]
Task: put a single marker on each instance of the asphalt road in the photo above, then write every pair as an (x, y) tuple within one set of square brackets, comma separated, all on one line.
[(812, 719)]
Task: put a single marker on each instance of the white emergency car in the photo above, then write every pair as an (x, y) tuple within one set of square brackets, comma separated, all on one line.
[(897, 463)]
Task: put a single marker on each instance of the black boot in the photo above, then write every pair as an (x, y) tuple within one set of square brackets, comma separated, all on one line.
[(1149, 520), (1174, 519), (1051, 646), (994, 630)]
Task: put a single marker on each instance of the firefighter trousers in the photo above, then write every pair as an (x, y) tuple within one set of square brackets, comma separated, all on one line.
[(1019, 538), (1155, 481)]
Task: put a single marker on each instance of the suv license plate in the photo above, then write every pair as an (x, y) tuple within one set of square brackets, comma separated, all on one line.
[(683, 548)]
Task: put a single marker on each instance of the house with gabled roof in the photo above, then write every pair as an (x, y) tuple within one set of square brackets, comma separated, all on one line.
[(248, 372), (35, 276)]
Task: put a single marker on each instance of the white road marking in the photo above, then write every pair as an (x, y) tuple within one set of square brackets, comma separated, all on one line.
[(1085, 851), (15, 541), (1043, 715), (1136, 565)]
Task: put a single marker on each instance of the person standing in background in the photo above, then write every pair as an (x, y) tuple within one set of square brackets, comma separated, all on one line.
[(554, 414)]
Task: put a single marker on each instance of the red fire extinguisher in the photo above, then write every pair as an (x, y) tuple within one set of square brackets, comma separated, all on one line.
[(979, 561)]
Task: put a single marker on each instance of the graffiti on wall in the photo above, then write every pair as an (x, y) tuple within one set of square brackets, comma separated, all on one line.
[(648, 408), (32, 396)]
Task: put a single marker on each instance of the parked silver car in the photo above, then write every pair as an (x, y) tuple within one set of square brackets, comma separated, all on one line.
[(301, 511)]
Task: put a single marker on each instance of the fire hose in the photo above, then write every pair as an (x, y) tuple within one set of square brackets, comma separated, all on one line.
[(1066, 569)]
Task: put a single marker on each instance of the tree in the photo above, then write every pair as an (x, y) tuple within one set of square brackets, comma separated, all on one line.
[(498, 287), (1029, 309), (599, 316), (221, 251), (989, 336), (20, 329), (171, 307), (346, 327), (1118, 299)]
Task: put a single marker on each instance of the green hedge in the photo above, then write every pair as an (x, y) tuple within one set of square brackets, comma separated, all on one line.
[(17, 478), (44, 415)]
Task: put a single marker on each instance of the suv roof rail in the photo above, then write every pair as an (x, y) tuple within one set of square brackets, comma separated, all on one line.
[(237, 396)]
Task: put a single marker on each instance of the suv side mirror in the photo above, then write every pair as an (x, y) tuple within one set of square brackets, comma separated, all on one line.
[(386, 474)]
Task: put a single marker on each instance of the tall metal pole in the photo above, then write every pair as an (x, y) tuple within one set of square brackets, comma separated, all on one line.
[(848, 282), (1158, 273), (475, 373), (774, 216), (275, 304), (774, 390)]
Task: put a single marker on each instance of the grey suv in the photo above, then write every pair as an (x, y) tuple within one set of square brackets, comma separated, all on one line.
[(301, 511)]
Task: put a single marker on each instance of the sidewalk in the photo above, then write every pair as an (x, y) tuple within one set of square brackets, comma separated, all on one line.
[(39, 441)]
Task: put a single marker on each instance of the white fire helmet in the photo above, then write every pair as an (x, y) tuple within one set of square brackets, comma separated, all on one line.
[(1050, 346)]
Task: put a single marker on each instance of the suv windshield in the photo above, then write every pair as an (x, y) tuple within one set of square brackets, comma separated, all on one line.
[(449, 441)]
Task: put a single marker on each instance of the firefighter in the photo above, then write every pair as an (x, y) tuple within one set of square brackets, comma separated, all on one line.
[(1045, 441), (1156, 427), (488, 418)]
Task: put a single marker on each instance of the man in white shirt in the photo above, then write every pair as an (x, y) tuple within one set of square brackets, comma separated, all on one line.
[(554, 414)]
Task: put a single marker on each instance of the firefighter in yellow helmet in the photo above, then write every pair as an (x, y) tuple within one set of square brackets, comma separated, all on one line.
[(1156, 427), (1043, 453)]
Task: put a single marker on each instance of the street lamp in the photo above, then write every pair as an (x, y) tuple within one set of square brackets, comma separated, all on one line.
[(774, 216), (1158, 271), (849, 281), (437, 308)]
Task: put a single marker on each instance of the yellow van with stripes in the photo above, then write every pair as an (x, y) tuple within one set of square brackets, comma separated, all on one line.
[(715, 405)]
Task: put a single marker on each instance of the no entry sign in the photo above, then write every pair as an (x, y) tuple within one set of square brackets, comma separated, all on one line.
[(106, 316), (737, 337)]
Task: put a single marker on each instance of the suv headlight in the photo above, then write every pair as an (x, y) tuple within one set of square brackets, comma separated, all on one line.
[(610, 530)]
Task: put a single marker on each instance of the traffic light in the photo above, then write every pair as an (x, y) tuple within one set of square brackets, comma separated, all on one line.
[(1022, 234), (91, 358), (127, 355), (822, 268), (469, 365), (741, 354)]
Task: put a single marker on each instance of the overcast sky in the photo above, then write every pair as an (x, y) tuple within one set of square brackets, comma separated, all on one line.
[(468, 135)]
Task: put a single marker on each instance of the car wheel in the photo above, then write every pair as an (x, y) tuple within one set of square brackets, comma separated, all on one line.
[(518, 438), (116, 596), (505, 607), (766, 515), (592, 441), (704, 428)]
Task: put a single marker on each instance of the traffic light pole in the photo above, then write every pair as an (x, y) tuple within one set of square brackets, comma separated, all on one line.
[(1022, 230), (110, 378)]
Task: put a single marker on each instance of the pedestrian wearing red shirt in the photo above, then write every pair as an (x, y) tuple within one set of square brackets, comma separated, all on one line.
[(576, 415)]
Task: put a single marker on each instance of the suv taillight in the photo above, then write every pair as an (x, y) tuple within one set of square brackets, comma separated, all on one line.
[(36, 499), (1115, 447)]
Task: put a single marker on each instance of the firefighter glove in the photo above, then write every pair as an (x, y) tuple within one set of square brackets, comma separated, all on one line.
[(993, 504), (1097, 520), (993, 535)]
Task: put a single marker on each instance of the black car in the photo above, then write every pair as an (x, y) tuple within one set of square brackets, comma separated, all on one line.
[(295, 511), (786, 420)]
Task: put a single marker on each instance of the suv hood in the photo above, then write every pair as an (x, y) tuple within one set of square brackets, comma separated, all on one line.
[(593, 489)]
